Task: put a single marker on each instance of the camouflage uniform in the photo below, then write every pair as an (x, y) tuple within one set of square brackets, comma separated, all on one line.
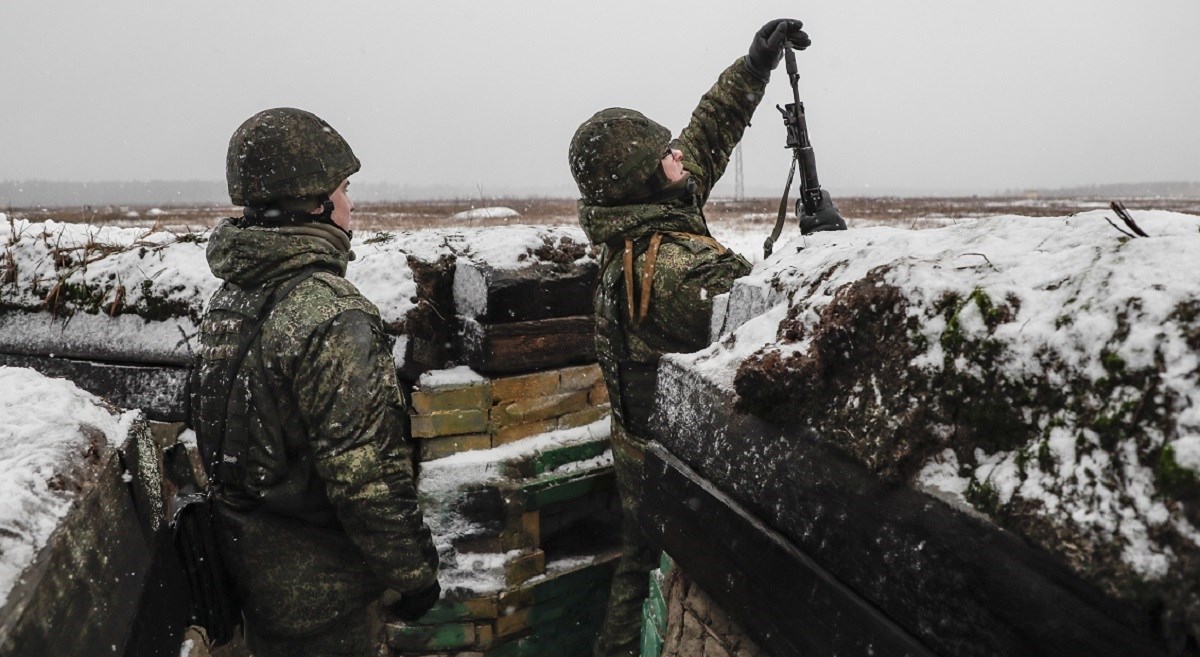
[(615, 158), (322, 512)]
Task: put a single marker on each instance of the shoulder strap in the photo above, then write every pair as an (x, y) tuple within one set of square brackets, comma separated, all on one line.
[(637, 310), (278, 294)]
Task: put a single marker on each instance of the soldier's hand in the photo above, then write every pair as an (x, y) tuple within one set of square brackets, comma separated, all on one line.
[(824, 217), (767, 47), (412, 606)]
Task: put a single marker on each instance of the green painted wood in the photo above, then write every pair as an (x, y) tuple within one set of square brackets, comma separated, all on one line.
[(665, 563), (652, 640), (430, 637), (656, 603), (553, 458), (574, 582), (546, 491), (446, 611)]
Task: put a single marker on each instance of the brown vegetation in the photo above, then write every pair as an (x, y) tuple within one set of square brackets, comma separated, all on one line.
[(550, 211)]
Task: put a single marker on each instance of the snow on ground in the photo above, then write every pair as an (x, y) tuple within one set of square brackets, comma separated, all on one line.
[(147, 265), (163, 277), (44, 435), (498, 212), (1069, 279), (1055, 267)]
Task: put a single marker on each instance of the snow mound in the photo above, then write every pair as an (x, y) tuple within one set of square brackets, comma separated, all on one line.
[(498, 212), (48, 430), (1042, 371)]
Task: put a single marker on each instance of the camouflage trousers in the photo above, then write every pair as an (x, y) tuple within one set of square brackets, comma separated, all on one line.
[(305, 590), (620, 635)]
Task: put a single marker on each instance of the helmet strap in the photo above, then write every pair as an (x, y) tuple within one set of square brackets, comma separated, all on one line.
[(326, 216), (274, 216)]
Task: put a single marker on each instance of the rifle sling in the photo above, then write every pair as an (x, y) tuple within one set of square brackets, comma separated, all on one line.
[(639, 299), (769, 245), (648, 277)]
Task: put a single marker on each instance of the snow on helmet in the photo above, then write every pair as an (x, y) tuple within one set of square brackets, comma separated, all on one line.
[(284, 153), (615, 156)]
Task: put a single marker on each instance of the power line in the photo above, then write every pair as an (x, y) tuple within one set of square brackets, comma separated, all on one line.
[(739, 192)]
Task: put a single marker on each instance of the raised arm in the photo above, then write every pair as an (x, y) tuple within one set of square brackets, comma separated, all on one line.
[(718, 122)]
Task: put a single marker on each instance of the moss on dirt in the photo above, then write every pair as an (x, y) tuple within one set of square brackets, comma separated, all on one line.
[(853, 381)]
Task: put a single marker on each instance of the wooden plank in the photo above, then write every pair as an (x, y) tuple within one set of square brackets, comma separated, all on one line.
[(788, 603), (955, 580), (528, 346), (127, 339), (160, 392), (420, 638), (544, 492), (550, 459)]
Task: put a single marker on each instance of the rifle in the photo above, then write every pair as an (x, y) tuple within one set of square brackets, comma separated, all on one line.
[(823, 213)]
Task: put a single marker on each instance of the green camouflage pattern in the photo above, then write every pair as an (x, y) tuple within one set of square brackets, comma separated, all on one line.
[(614, 156), (622, 625), (326, 515), (690, 271), (285, 153)]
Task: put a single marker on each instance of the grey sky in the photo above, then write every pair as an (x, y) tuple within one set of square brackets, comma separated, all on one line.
[(931, 94)]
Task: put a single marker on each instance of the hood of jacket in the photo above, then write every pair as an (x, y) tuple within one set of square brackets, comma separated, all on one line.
[(605, 224), (258, 255)]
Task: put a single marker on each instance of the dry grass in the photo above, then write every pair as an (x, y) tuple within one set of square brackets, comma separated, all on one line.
[(543, 211)]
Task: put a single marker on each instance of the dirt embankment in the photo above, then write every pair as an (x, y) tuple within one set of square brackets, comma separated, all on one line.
[(1058, 400)]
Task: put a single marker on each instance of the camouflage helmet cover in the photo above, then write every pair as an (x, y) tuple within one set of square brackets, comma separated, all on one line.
[(615, 156), (285, 153)]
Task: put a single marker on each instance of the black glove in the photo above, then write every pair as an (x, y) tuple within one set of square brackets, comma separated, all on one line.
[(412, 606), (825, 218), (767, 47)]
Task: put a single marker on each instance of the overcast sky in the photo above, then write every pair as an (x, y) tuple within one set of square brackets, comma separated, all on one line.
[(929, 94)]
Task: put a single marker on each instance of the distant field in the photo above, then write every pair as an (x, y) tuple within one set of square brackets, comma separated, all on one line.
[(728, 214)]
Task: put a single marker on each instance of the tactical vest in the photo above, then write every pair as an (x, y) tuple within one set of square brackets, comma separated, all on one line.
[(246, 453)]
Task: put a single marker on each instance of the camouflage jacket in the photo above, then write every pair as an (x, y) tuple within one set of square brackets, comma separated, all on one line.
[(691, 268), (325, 424)]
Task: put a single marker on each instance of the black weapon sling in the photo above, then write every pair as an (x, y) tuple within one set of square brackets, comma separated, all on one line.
[(214, 603)]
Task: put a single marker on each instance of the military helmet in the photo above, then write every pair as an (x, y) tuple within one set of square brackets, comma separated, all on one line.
[(284, 153), (615, 157)]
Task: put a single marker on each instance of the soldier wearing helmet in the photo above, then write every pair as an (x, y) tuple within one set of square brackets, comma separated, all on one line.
[(297, 409), (642, 197)]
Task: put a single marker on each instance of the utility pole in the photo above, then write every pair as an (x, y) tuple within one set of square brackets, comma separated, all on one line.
[(739, 191)]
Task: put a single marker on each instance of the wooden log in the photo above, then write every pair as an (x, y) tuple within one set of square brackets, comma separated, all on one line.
[(126, 339), (540, 291), (526, 346), (160, 392), (957, 582), (786, 601)]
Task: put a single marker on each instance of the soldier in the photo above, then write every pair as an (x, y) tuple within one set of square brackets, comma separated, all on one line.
[(642, 198), (307, 440)]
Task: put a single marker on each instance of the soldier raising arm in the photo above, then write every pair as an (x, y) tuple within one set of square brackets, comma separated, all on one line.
[(642, 197)]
